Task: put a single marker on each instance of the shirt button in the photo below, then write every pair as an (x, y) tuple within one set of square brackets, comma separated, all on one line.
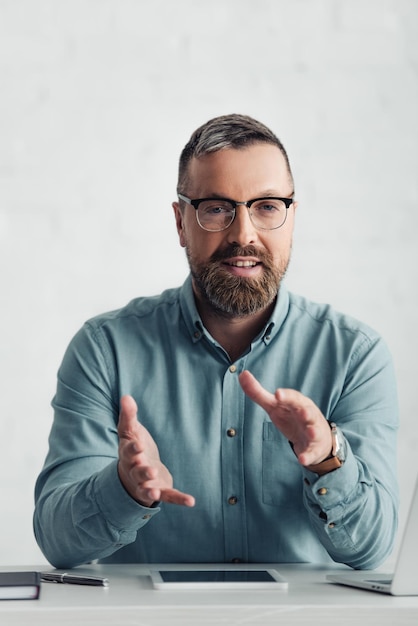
[(196, 334), (322, 491), (233, 369), (331, 525), (146, 516), (232, 500), (231, 432)]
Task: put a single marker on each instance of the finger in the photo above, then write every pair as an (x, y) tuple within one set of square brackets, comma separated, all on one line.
[(256, 391), (128, 419), (142, 474), (170, 496), (292, 400), (174, 496)]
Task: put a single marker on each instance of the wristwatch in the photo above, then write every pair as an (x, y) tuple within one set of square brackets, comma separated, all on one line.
[(337, 456)]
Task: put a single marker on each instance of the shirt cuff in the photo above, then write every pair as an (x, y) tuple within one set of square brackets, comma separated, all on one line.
[(330, 490), (115, 503)]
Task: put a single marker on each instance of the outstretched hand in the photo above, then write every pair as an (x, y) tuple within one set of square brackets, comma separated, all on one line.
[(140, 468), (296, 416)]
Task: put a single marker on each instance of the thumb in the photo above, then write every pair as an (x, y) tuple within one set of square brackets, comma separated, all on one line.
[(128, 419), (256, 391)]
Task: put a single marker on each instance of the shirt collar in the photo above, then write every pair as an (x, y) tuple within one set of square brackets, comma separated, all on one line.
[(195, 325)]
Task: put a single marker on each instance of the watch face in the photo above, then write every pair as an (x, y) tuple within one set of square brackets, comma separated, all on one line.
[(340, 445)]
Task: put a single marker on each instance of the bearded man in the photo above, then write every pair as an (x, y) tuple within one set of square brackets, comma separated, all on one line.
[(227, 420)]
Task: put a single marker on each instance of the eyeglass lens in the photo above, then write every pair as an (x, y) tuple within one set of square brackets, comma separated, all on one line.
[(266, 213)]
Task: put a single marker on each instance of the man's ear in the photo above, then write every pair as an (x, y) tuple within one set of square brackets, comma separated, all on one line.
[(178, 214)]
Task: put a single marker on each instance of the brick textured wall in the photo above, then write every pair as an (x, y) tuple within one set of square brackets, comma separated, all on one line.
[(97, 98)]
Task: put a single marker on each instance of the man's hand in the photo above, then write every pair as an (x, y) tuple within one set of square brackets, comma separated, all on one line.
[(140, 469), (296, 416)]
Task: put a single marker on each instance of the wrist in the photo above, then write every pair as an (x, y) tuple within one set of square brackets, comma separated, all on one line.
[(336, 457)]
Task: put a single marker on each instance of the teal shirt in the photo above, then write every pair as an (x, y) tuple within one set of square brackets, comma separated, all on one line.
[(254, 501)]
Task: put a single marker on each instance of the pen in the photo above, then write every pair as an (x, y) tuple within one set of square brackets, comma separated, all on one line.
[(72, 579)]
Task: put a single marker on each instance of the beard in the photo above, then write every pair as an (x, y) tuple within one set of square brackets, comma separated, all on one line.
[(236, 296)]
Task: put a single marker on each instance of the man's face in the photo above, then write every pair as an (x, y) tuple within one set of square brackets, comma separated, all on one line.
[(236, 272)]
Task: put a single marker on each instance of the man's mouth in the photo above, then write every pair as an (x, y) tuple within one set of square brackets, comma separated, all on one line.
[(242, 263)]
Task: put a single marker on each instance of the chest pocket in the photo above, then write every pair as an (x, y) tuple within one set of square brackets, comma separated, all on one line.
[(281, 474)]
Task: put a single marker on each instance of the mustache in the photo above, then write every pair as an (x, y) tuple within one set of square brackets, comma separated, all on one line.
[(243, 251)]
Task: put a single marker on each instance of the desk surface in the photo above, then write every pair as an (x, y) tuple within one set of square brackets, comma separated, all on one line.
[(131, 600)]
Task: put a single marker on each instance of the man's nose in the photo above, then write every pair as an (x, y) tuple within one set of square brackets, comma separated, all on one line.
[(242, 231)]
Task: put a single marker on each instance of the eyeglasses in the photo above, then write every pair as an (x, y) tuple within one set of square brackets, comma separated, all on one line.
[(216, 214)]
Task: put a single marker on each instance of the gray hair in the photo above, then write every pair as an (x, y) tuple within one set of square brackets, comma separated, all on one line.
[(227, 131)]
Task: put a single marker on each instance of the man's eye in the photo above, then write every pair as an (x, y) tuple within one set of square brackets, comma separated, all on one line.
[(215, 209), (269, 206)]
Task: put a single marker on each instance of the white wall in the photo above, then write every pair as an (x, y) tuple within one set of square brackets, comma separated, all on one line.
[(97, 99)]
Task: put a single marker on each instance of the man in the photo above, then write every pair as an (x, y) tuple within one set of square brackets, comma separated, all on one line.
[(275, 417)]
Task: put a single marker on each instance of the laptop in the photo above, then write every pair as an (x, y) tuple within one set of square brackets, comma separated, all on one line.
[(404, 580)]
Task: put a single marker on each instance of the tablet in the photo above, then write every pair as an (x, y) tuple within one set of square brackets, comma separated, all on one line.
[(218, 579)]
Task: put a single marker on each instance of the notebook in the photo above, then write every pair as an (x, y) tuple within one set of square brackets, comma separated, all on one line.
[(19, 585), (404, 580)]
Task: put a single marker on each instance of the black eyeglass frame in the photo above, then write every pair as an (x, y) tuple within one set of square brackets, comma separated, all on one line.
[(195, 204)]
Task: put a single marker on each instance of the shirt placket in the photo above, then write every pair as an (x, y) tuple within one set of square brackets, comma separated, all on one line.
[(232, 463)]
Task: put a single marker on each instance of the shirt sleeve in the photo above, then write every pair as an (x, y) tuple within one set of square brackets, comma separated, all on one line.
[(354, 509), (82, 511)]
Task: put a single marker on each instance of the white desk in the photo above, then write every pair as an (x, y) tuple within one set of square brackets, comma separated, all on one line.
[(131, 600)]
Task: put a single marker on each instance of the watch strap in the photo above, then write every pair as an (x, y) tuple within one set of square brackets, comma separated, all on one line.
[(332, 462), (326, 466)]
